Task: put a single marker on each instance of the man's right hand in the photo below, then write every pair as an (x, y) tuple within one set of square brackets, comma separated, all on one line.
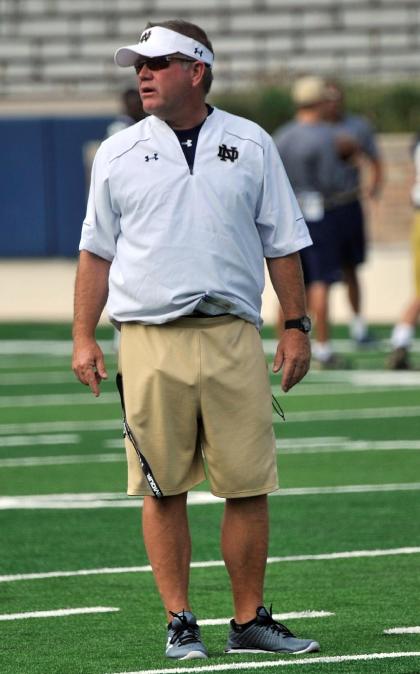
[(89, 365)]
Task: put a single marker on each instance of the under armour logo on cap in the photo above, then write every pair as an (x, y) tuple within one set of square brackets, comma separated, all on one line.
[(198, 51), (145, 36)]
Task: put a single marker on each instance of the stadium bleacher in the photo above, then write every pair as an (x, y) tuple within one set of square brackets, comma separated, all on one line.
[(64, 47)]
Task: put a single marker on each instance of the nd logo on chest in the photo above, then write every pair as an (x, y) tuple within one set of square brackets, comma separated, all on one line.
[(228, 153)]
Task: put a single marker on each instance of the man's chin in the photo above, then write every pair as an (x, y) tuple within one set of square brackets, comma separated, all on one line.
[(151, 108)]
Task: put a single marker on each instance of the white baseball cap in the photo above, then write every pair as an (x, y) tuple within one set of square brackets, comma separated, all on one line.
[(159, 41)]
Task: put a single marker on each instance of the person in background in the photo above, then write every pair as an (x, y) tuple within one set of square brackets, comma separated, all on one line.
[(403, 332), (132, 112), (356, 132), (308, 149)]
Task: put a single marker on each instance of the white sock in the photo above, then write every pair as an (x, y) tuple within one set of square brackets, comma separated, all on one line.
[(322, 351), (402, 335), (358, 327)]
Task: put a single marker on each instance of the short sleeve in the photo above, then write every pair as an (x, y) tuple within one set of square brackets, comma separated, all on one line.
[(279, 220), (101, 225)]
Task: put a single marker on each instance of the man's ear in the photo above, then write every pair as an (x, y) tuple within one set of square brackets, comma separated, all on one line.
[(198, 70)]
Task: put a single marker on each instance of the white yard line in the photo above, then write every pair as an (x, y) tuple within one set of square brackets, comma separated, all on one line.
[(119, 500), (62, 426), (328, 389), (58, 400), (235, 665), (331, 446), (291, 417), (50, 347), (343, 346), (31, 461), (327, 382), (403, 630), (326, 556), (57, 613), (37, 378), (349, 414), (294, 615), (42, 439), (85, 398)]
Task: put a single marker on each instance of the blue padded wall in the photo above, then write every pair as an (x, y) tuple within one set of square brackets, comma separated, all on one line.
[(43, 184)]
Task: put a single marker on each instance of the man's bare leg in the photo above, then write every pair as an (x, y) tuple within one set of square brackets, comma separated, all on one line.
[(168, 545), (351, 280), (245, 549)]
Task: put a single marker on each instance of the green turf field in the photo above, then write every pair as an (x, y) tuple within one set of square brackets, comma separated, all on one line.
[(345, 527)]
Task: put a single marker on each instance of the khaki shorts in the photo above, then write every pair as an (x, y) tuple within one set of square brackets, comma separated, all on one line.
[(197, 393)]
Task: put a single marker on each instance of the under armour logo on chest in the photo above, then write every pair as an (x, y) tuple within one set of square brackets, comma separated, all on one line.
[(226, 153), (188, 142), (150, 157)]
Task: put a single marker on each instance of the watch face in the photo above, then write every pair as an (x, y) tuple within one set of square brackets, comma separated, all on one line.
[(306, 323)]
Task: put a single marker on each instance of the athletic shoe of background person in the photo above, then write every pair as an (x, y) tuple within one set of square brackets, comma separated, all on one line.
[(184, 641), (399, 360), (323, 358), (401, 339), (263, 634)]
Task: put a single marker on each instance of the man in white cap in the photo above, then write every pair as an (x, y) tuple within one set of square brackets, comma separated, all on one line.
[(183, 208)]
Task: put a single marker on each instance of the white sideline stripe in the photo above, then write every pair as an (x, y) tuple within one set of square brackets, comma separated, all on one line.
[(327, 382), (63, 347), (334, 447), (30, 461), (352, 386), (291, 417), (326, 556), (119, 500), (51, 347), (58, 400), (403, 630), (58, 613), (294, 615), (62, 426), (348, 489), (39, 378), (82, 398), (279, 663), (352, 414), (42, 439), (345, 346), (77, 459)]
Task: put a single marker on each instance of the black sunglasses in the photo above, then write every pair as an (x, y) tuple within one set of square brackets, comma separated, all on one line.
[(158, 62)]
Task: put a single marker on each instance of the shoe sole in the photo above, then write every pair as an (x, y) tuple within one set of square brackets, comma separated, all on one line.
[(311, 648), (192, 655)]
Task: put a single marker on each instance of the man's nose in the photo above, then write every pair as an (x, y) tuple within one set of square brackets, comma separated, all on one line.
[(144, 71)]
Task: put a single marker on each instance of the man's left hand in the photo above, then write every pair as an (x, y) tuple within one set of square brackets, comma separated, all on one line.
[(293, 357)]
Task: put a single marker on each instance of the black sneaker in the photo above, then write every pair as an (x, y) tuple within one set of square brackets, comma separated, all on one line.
[(398, 359), (184, 641), (266, 635)]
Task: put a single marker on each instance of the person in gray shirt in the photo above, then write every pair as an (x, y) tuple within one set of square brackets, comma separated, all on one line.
[(308, 149)]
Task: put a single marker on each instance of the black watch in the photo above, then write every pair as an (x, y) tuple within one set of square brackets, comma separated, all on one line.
[(303, 324)]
